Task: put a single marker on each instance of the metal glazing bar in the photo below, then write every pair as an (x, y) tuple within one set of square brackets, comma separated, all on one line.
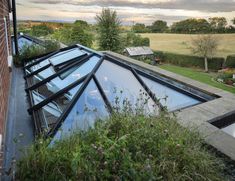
[(59, 73), (74, 100)]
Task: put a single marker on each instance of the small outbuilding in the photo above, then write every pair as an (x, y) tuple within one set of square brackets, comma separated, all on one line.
[(141, 53)]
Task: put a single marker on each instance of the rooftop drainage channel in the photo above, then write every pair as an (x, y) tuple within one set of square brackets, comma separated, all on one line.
[(226, 123)]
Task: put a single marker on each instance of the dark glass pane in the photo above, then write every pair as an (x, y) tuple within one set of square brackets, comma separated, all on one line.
[(170, 98), (121, 86), (52, 111), (85, 112), (57, 83)]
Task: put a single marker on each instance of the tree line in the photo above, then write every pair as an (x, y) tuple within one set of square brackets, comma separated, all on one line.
[(188, 26)]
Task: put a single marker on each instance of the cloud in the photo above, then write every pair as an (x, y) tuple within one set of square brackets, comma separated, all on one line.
[(201, 5), (129, 11)]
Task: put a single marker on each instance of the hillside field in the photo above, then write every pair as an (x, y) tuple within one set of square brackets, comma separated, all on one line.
[(180, 43)]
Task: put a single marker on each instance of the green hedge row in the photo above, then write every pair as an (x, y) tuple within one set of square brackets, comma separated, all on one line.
[(189, 60), (230, 61)]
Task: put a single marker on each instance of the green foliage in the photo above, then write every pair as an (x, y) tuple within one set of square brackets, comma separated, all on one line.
[(82, 24), (81, 36), (233, 21), (108, 30), (140, 28), (124, 148), (79, 32), (191, 26), (215, 63), (218, 24), (28, 52), (135, 40), (159, 26), (41, 30), (51, 46), (198, 75), (230, 61)]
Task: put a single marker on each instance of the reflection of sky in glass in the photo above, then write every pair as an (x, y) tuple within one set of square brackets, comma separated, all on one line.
[(118, 82), (24, 42), (57, 83), (85, 112), (58, 58), (63, 57), (170, 98)]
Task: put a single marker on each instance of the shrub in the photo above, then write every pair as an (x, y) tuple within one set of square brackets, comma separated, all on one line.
[(192, 61), (41, 30), (51, 46), (135, 40), (123, 148), (230, 61), (30, 51)]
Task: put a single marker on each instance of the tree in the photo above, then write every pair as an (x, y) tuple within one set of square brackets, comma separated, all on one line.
[(218, 24), (135, 40), (159, 26), (81, 36), (41, 30), (81, 23), (109, 30), (191, 26), (205, 46), (233, 21), (139, 28)]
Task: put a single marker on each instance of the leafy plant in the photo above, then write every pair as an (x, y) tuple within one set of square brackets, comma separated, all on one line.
[(29, 51), (108, 30), (124, 147)]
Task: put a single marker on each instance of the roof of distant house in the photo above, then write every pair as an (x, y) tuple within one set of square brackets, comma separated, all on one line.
[(138, 51)]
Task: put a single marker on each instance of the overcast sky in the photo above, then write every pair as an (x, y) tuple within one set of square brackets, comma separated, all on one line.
[(129, 11)]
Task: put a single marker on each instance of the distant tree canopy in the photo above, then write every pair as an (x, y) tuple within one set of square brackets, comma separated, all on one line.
[(140, 28), (108, 25), (233, 21), (159, 26), (41, 30), (191, 26), (81, 23), (218, 24), (78, 32)]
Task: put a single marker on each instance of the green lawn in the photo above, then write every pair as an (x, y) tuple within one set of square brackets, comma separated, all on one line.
[(198, 75)]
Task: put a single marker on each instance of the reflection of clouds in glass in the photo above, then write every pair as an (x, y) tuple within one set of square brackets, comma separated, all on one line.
[(105, 78), (76, 75)]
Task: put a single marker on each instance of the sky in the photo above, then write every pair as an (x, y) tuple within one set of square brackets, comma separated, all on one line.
[(129, 11)]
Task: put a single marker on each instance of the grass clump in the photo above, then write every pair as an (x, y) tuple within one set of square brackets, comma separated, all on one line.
[(123, 147)]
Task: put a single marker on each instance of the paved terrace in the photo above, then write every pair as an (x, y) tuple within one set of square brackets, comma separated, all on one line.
[(198, 117)]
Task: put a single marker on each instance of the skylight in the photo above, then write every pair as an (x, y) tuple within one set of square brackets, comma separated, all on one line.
[(72, 88)]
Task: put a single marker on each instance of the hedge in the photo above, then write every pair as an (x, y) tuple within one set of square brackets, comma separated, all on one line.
[(189, 60), (230, 61)]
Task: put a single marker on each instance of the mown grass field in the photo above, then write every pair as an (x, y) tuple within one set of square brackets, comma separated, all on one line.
[(198, 75), (180, 43)]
